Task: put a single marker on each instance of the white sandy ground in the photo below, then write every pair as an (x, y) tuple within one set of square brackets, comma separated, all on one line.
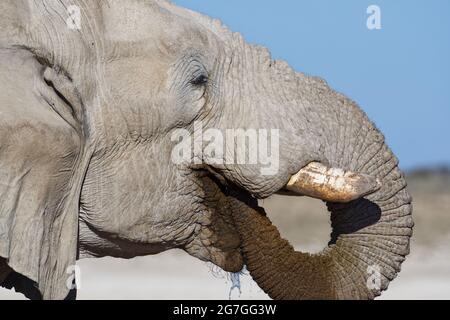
[(176, 275)]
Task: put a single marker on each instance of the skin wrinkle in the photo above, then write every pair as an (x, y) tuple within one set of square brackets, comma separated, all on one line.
[(345, 265), (345, 133), (388, 263), (371, 165)]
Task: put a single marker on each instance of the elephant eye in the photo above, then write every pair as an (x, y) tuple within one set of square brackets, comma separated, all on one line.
[(200, 80)]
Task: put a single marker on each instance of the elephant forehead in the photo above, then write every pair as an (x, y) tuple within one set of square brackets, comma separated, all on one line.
[(147, 22), (131, 22)]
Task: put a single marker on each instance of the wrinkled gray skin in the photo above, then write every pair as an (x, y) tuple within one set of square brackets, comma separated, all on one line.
[(86, 119)]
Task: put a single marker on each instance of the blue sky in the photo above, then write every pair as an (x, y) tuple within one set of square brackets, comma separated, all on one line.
[(399, 75)]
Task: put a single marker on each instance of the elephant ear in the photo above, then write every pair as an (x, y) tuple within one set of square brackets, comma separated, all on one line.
[(41, 170)]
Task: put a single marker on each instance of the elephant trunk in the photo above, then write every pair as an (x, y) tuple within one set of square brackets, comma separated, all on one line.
[(370, 235)]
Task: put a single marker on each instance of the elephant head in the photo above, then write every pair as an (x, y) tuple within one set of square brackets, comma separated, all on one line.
[(93, 119)]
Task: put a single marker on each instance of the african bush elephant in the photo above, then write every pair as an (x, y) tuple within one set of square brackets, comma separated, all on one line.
[(89, 106)]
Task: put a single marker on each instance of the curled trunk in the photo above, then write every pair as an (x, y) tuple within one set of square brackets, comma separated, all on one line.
[(369, 240)]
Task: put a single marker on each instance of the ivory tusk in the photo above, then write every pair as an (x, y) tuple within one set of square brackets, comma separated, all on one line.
[(331, 184)]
